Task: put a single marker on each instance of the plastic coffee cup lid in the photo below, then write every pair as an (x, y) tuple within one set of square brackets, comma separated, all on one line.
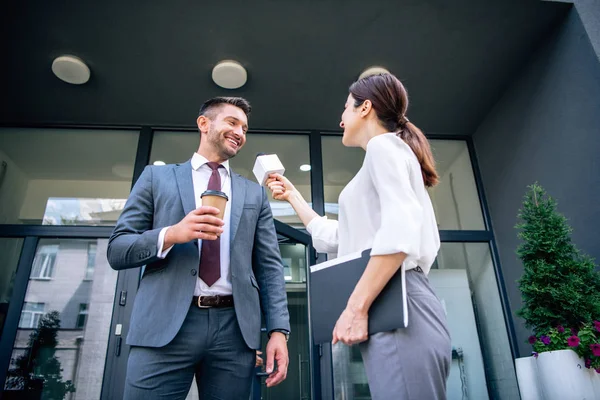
[(214, 193)]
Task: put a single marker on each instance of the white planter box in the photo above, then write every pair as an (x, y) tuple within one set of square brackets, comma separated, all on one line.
[(563, 375), (527, 376), (556, 375), (595, 378)]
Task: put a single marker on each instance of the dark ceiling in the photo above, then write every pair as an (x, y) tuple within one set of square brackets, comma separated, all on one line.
[(151, 62)]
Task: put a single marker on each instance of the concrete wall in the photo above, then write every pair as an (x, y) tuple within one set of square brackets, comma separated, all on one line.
[(545, 128), (589, 12)]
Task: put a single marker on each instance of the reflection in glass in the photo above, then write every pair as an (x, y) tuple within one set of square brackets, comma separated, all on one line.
[(82, 211), (294, 262), (297, 383), (10, 251), (464, 280), (61, 343), (455, 199), (292, 149), (31, 314), (65, 176), (43, 263), (91, 261)]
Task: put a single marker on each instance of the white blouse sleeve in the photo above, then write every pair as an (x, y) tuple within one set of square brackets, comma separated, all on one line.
[(388, 163), (324, 233)]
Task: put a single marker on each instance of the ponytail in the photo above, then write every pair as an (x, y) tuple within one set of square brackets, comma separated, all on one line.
[(416, 140), (390, 102)]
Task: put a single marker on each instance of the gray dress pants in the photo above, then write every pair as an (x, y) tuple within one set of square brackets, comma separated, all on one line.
[(411, 363), (209, 345)]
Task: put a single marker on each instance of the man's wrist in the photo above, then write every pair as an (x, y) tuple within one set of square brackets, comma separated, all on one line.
[(284, 332), (168, 241)]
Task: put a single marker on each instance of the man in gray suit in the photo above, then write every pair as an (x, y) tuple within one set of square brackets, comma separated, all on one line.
[(198, 307)]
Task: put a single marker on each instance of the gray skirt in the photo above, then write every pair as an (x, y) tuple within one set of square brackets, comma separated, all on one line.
[(411, 363)]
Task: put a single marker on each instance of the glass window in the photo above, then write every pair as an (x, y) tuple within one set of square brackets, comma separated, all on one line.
[(464, 280), (82, 317), (455, 198), (294, 262), (91, 262), (10, 251), (71, 318), (65, 176), (31, 314), (43, 263), (292, 149)]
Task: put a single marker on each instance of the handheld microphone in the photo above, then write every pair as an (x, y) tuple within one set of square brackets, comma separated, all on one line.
[(265, 165)]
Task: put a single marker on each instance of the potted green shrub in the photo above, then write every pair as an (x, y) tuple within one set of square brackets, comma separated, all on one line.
[(561, 301)]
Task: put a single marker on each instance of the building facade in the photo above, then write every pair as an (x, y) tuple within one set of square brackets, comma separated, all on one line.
[(64, 312)]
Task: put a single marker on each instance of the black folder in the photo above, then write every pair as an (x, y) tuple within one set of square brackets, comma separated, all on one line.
[(332, 283)]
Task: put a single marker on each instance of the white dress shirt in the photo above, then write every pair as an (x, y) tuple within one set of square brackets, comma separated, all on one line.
[(385, 207), (200, 176)]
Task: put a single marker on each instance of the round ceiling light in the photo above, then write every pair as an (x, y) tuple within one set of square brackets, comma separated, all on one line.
[(71, 70), (229, 74), (305, 167), (159, 163), (373, 71)]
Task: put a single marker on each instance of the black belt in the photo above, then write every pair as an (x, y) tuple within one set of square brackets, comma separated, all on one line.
[(212, 301)]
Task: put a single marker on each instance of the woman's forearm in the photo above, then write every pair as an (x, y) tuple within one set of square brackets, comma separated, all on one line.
[(302, 208), (378, 273)]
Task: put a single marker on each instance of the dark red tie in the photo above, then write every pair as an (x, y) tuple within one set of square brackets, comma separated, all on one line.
[(210, 255)]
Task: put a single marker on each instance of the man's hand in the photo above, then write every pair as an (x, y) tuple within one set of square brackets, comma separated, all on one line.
[(277, 351), (200, 223), (259, 360)]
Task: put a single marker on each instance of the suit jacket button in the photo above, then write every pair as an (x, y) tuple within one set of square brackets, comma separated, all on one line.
[(193, 272)]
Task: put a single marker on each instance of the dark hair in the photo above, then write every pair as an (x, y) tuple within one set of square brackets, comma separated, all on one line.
[(390, 102), (211, 106)]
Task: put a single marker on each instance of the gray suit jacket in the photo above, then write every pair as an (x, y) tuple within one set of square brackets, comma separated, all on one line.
[(161, 197)]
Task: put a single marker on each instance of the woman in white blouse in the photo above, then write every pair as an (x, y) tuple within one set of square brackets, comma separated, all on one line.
[(386, 208)]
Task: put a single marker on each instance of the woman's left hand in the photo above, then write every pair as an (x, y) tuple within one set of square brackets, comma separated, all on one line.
[(351, 328)]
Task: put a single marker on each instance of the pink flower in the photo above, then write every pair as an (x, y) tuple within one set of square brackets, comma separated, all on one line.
[(597, 325), (595, 349), (560, 329), (573, 341), (532, 339), (588, 363)]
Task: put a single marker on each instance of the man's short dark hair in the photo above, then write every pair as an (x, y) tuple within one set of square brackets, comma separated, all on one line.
[(210, 107)]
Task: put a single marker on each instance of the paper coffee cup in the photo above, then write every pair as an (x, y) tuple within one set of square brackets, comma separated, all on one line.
[(217, 199)]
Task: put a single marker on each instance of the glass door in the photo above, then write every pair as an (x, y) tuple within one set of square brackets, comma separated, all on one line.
[(61, 341), (298, 382)]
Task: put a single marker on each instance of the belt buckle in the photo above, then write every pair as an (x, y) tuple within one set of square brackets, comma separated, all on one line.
[(200, 302)]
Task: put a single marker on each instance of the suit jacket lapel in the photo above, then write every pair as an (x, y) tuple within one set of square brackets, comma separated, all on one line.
[(183, 174), (238, 194)]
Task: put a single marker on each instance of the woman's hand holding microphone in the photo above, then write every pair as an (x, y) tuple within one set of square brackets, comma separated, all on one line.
[(283, 190), (281, 187)]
